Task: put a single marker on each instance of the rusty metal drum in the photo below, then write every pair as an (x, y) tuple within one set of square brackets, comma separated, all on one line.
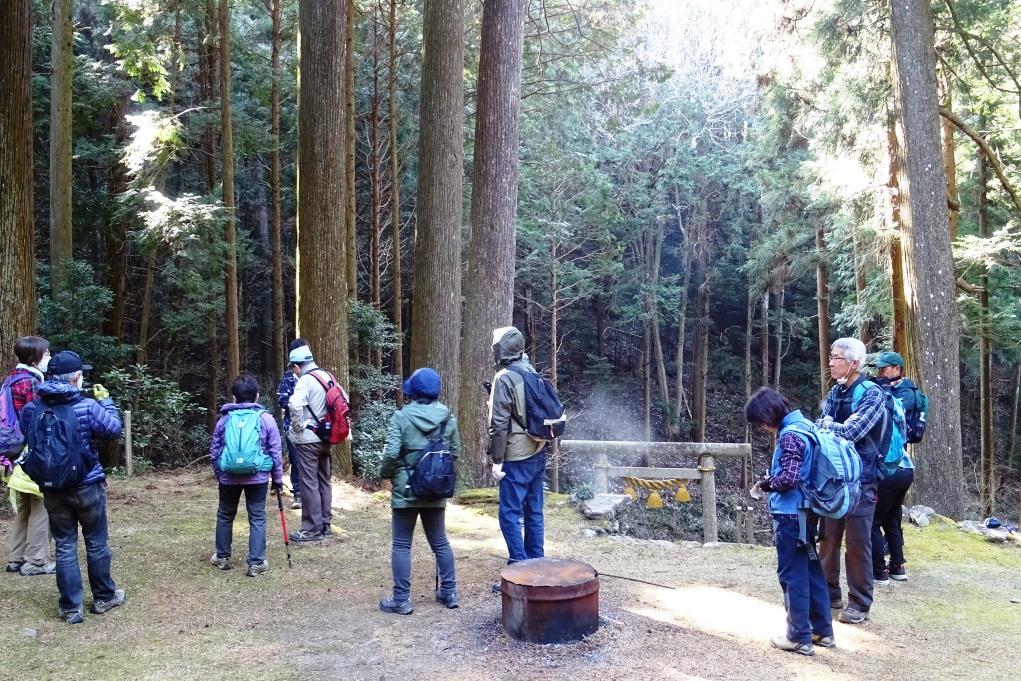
[(548, 600)]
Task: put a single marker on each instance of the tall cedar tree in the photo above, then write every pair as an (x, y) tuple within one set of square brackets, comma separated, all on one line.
[(436, 316), (351, 206), (62, 59), (929, 265), (274, 182), (17, 263), (321, 289), (230, 269), (490, 283), (395, 204)]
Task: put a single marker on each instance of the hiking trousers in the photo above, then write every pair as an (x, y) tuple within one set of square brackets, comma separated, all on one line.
[(30, 536), (434, 524), (521, 498), (316, 486), (858, 555), (255, 504), (805, 595), (887, 518)]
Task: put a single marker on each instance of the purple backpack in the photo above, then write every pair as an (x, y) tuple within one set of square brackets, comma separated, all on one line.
[(12, 440)]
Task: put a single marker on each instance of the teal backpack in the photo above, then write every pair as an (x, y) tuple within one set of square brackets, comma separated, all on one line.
[(242, 450), (894, 416)]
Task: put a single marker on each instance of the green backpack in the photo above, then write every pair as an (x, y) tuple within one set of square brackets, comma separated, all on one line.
[(242, 451)]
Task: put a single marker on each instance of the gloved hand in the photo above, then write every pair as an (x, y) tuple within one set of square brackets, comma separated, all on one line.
[(826, 422), (100, 393), (498, 473), (278, 485)]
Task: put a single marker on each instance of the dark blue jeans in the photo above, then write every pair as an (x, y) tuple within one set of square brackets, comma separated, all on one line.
[(434, 524), (292, 457), (85, 506), (887, 518), (521, 495), (255, 501), (805, 594)]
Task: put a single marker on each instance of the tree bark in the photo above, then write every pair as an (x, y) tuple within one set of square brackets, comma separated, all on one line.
[(901, 327), (764, 341), (653, 311), (116, 239), (351, 205), (276, 255), (860, 282), (950, 159), (929, 265), (701, 353), (749, 332), (680, 400), (822, 298), (321, 305), (17, 260), (1014, 416), (988, 467), (779, 335), (375, 191), (395, 210), (489, 284), (61, 146), (142, 356), (230, 269), (436, 316)]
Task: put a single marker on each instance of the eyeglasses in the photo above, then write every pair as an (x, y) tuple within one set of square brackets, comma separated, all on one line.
[(834, 358)]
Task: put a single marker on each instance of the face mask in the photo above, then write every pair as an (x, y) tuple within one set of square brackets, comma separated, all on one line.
[(43, 365)]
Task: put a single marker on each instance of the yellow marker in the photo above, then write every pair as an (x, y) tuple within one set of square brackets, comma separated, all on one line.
[(682, 496), (654, 501), (630, 491)]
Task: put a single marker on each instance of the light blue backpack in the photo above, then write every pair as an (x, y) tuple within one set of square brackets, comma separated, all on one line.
[(242, 450)]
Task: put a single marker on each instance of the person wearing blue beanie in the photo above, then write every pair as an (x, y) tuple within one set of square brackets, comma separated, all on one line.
[(411, 429)]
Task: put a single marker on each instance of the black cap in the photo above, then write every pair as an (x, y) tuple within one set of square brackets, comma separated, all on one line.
[(66, 362)]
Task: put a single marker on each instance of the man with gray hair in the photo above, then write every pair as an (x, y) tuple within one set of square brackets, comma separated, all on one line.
[(62, 418), (855, 410)]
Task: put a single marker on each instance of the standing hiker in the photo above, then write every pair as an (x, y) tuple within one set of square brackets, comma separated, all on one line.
[(284, 391), (245, 455), (422, 423), (805, 593), (29, 543), (61, 427)]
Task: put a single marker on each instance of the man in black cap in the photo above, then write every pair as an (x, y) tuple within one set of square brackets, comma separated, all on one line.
[(61, 409)]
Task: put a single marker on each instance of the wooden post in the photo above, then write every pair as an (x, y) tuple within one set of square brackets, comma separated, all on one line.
[(602, 464), (128, 462), (708, 468)]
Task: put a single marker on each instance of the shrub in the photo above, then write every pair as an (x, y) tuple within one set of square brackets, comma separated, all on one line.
[(370, 433)]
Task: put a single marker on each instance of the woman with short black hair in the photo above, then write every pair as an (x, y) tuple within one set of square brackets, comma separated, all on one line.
[(806, 595)]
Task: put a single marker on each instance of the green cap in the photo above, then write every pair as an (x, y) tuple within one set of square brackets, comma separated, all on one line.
[(889, 359)]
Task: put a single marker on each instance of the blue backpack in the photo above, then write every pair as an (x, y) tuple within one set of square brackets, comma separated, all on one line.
[(57, 457), (544, 413), (12, 440), (894, 428), (242, 447), (832, 486), (915, 417), (433, 477)]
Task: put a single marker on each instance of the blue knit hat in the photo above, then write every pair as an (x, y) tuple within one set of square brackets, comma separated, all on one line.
[(424, 383)]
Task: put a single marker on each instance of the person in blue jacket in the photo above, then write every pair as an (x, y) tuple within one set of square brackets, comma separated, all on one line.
[(284, 391), (84, 505), (806, 595)]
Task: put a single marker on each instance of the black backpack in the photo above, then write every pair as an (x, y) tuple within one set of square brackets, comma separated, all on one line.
[(56, 457), (544, 413), (433, 477), (915, 417)]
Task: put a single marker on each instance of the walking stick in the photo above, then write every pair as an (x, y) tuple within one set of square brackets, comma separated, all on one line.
[(283, 524)]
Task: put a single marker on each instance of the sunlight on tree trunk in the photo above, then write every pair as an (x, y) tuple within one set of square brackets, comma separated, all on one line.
[(822, 298), (395, 210), (61, 147)]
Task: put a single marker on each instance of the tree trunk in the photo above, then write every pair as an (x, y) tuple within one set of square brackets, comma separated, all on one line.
[(988, 467), (822, 298), (395, 211), (950, 159), (116, 240), (489, 286), (375, 191), (901, 328), (554, 346), (1014, 416), (17, 261), (230, 269), (209, 144), (764, 341), (321, 306), (680, 401), (929, 265), (779, 336), (647, 382), (653, 311), (749, 331), (276, 255), (701, 354), (207, 67), (351, 204), (436, 316), (142, 356), (860, 282), (61, 146)]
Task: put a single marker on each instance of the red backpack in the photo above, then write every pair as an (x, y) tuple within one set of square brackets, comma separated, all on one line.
[(336, 423)]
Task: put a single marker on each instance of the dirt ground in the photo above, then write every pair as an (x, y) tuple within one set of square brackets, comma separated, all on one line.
[(319, 620)]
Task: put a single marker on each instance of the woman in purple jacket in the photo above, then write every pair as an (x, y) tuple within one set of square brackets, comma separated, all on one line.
[(229, 438)]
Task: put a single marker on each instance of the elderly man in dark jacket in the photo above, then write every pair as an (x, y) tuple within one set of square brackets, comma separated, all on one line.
[(85, 504)]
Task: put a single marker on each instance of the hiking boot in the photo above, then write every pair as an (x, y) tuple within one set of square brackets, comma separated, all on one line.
[(306, 536), (99, 607), (399, 607), (898, 573), (296, 504), (13, 566), (882, 577), (256, 569), (72, 616), (836, 605), (784, 643), (497, 588), (851, 615), (824, 641), (31, 569), (447, 600), (327, 530), (222, 563)]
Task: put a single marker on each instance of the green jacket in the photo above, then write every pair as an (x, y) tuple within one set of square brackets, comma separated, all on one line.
[(409, 432)]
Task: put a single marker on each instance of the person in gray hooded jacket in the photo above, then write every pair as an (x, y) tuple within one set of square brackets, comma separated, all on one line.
[(519, 460)]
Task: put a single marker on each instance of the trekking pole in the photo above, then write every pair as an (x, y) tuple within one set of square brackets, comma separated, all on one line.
[(283, 525)]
